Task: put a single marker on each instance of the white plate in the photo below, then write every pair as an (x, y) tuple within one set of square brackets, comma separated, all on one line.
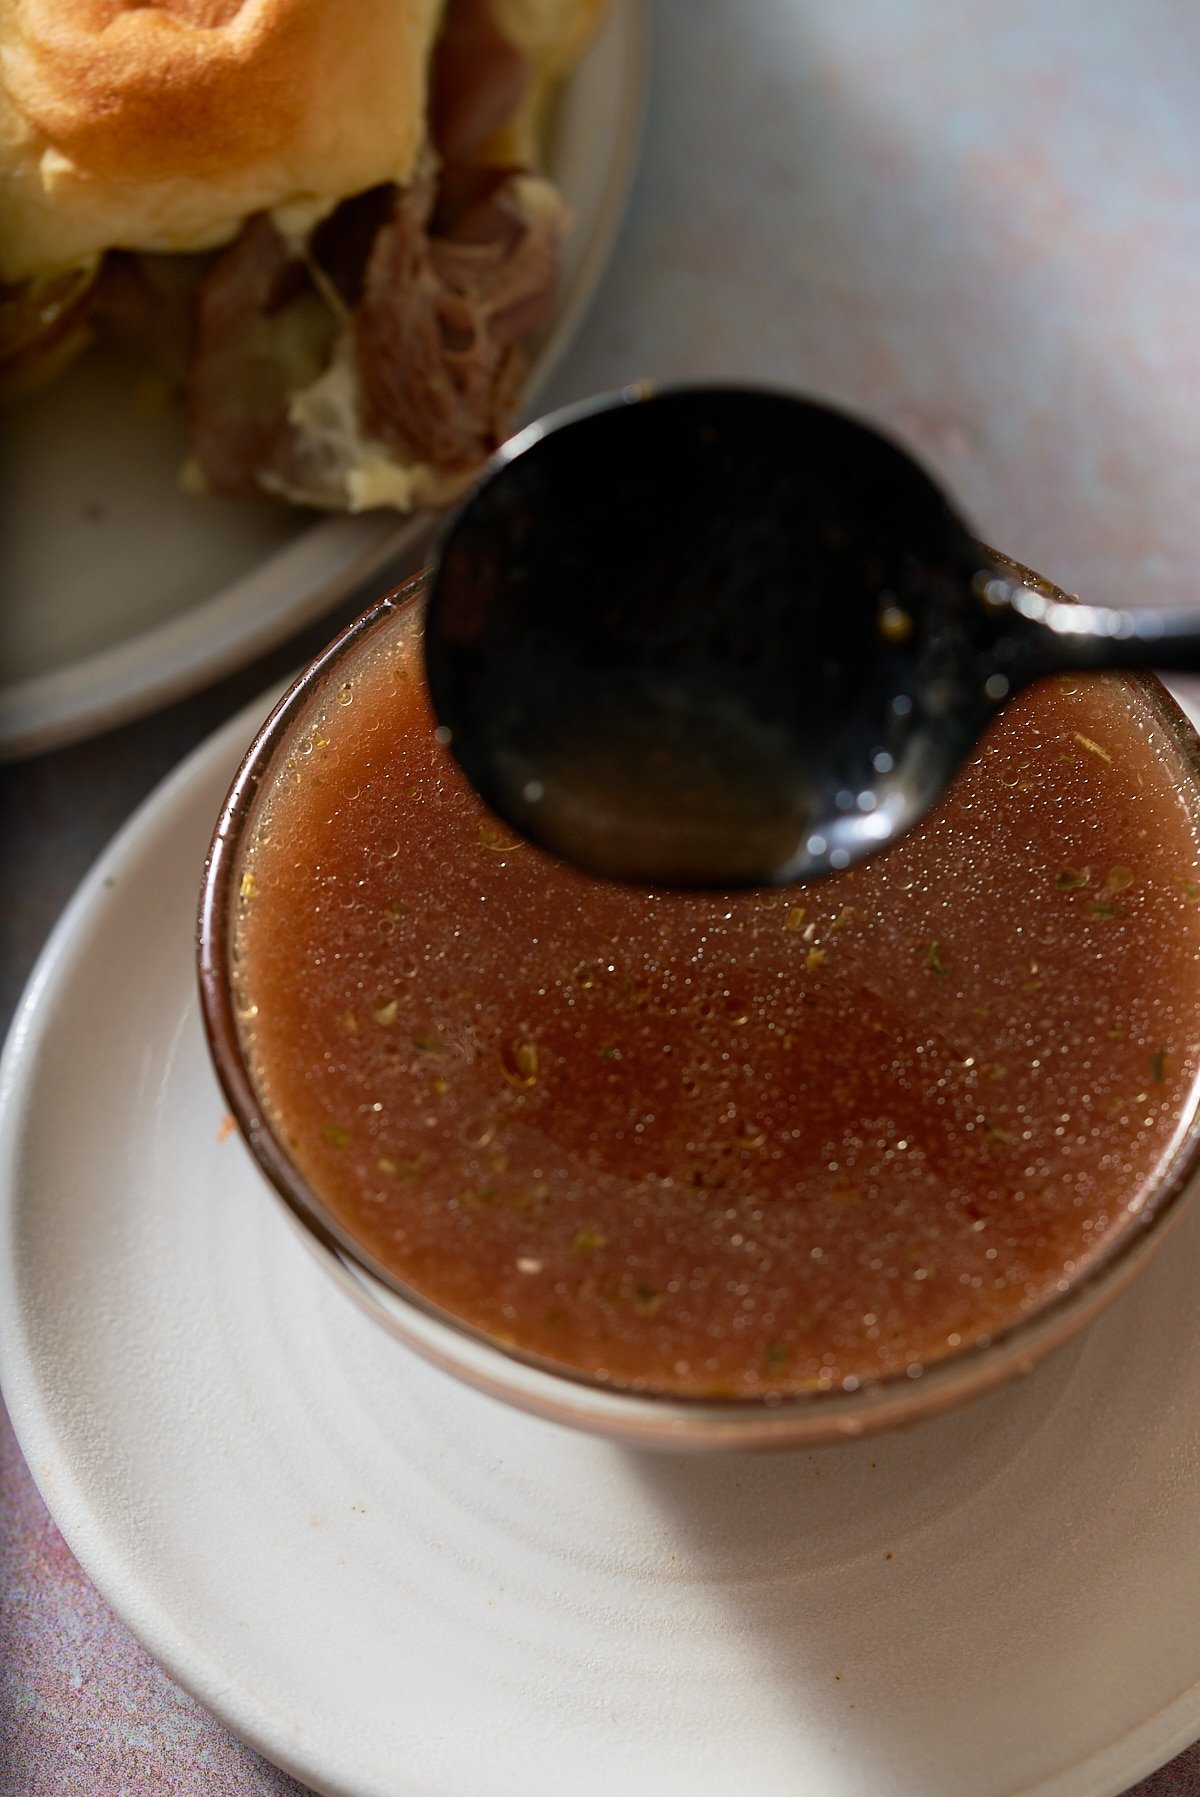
[(121, 593), (387, 1582)]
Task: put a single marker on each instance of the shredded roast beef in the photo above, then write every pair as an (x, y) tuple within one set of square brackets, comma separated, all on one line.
[(476, 81), (261, 330), (147, 305), (341, 244), (418, 296), (436, 329), (140, 303), (456, 276)]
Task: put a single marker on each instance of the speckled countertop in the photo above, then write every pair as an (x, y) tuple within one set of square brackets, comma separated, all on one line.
[(982, 226)]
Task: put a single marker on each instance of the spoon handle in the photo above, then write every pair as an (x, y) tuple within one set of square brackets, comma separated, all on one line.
[(1069, 637)]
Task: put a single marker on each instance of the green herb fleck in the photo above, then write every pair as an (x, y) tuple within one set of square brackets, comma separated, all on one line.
[(933, 963), (336, 1135), (400, 1170), (1070, 879), (1158, 1066), (1104, 912), (776, 1356), (587, 1241)]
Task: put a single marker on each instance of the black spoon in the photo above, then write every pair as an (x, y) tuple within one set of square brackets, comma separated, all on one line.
[(722, 637)]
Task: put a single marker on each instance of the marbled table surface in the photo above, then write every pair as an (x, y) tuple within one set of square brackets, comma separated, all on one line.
[(981, 225)]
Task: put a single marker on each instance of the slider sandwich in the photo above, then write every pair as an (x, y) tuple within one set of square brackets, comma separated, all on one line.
[(325, 221)]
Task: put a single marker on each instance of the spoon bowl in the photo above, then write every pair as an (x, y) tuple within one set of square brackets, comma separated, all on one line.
[(729, 637)]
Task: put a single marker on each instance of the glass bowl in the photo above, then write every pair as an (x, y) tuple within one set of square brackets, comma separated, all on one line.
[(826, 1409)]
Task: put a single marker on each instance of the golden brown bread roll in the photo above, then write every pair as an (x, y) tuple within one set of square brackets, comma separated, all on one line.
[(161, 128)]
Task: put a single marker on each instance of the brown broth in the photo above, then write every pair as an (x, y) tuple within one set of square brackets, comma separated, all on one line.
[(697, 1144)]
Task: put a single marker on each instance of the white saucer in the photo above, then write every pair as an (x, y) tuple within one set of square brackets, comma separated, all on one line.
[(123, 593), (386, 1582)]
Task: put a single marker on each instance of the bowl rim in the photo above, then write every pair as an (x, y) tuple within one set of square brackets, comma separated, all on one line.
[(807, 1418)]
